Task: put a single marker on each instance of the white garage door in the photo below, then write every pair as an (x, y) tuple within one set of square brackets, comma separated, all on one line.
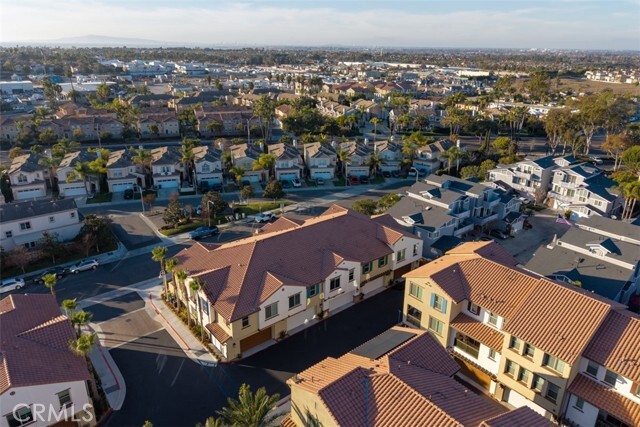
[(299, 318), (121, 187), (338, 301), (359, 172), (166, 183), (372, 286), (75, 191), (251, 178), (28, 194), (287, 176), (321, 174)]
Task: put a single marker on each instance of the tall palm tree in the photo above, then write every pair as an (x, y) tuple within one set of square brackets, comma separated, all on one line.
[(214, 422), (70, 306), (158, 254), (195, 286), (453, 154), (374, 161), (250, 410), (409, 150), (64, 147), (189, 157), (631, 193), (82, 347), (343, 158), (143, 158), (376, 121), (81, 318), (51, 165), (238, 172), (49, 281), (265, 162), (81, 170), (170, 266), (181, 276)]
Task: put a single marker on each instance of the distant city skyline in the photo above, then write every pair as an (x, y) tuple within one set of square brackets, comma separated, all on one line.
[(557, 24)]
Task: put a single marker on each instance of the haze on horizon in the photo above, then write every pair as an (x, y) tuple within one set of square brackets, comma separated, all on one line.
[(554, 24)]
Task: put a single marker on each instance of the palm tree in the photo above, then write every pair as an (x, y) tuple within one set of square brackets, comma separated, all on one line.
[(143, 158), (195, 287), (158, 254), (409, 151), (51, 164), (214, 422), (215, 127), (50, 281), (238, 172), (64, 147), (82, 347), (81, 170), (376, 121), (170, 266), (188, 156), (343, 159), (81, 318), (70, 306), (181, 276), (631, 193), (453, 154), (249, 410), (265, 162), (374, 161)]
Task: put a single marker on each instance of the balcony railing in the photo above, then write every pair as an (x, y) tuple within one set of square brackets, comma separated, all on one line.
[(413, 321), (467, 348)]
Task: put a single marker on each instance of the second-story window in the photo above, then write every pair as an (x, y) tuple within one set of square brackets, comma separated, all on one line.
[(474, 309), (367, 267), (294, 300), (383, 261), (610, 378), (334, 283), (528, 350), (537, 383), (312, 291), (416, 247), (515, 343), (438, 303), (510, 368), (8, 234), (352, 273), (592, 368), (25, 226), (22, 178), (271, 310), (415, 291), (553, 363), (401, 255), (553, 391), (493, 319), (245, 322), (52, 219)]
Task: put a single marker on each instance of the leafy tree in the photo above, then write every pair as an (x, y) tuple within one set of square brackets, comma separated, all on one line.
[(538, 85), (49, 281), (409, 151), (103, 93), (48, 137), (143, 158), (264, 109), (21, 257), (80, 171), (15, 152), (274, 190), (471, 172), (238, 172), (265, 162), (215, 127), (64, 147), (155, 131), (173, 214), (97, 227), (631, 159), (615, 145), (215, 200), (388, 200), (374, 161), (455, 119), (247, 192), (250, 410), (51, 92), (453, 154), (502, 145), (365, 206), (50, 245)]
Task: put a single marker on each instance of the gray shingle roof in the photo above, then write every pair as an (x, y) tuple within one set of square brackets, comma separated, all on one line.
[(23, 210)]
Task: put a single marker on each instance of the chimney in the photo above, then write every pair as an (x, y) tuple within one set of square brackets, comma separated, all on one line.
[(295, 143), (458, 143), (366, 142)]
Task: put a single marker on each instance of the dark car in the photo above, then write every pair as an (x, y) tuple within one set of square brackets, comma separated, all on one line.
[(395, 174), (386, 174), (499, 234), (364, 179), (353, 180), (286, 183), (216, 187), (246, 182), (128, 194), (58, 271), (203, 231), (204, 186)]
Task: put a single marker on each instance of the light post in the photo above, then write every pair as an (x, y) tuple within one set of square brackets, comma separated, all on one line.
[(209, 212), (141, 198), (417, 173)]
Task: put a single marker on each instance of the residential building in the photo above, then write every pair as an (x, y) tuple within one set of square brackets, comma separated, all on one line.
[(164, 125), (359, 154), (428, 157), (448, 206), (208, 165), (71, 184), (320, 160), (27, 178), (165, 167), (401, 377), (391, 155), (531, 176), (584, 190), (225, 120), (594, 256), (292, 273), (289, 164), (38, 368), (245, 156), (23, 223), (122, 173), (487, 312)]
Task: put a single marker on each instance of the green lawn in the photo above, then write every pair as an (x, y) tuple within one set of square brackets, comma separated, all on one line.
[(100, 198)]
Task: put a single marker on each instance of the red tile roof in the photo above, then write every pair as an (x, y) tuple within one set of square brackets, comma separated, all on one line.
[(478, 331), (238, 276), (616, 345), (34, 343), (607, 399), (521, 417), (218, 332)]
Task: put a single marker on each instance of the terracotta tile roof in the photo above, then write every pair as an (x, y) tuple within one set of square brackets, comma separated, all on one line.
[(478, 331), (288, 422), (521, 417), (218, 332), (281, 224), (34, 343), (607, 399), (235, 274), (565, 331), (616, 345), (425, 352)]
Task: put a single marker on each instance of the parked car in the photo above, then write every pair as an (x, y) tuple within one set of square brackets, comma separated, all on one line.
[(386, 174), (11, 285), (319, 181), (128, 194), (203, 231), (486, 239), (265, 217), (296, 182), (596, 160), (499, 234), (353, 180), (246, 182), (422, 173), (412, 173), (204, 186), (87, 264), (286, 183), (217, 187), (60, 272), (395, 174), (364, 179)]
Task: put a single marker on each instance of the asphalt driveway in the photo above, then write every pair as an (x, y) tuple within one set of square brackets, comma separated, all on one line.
[(132, 231)]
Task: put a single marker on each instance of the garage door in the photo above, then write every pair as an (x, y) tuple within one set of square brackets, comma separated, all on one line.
[(338, 301), (324, 175), (374, 285), (299, 318), (287, 175), (28, 194), (166, 183), (359, 172), (251, 178), (121, 187), (255, 339), (75, 191)]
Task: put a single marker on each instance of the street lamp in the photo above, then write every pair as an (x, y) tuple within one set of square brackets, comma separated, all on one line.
[(141, 198), (417, 173), (209, 212)]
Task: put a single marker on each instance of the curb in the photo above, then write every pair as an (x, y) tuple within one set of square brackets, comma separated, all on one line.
[(155, 308)]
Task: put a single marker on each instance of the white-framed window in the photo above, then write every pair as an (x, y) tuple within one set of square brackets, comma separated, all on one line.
[(610, 378), (528, 350), (537, 383), (383, 261), (415, 291), (593, 368), (523, 375), (271, 310), (245, 322), (438, 303), (401, 255), (8, 234), (515, 343), (493, 319), (206, 167), (294, 301), (492, 354), (510, 368), (553, 391), (553, 363), (579, 405), (25, 226), (52, 219), (64, 397), (435, 325), (367, 267), (334, 283), (473, 308), (352, 275), (22, 178), (21, 416)]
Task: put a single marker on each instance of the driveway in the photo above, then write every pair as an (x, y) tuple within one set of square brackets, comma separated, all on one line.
[(132, 231)]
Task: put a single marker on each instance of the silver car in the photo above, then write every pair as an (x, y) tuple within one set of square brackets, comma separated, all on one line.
[(87, 264), (11, 285)]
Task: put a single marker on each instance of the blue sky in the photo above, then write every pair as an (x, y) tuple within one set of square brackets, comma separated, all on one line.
[(580, 24)]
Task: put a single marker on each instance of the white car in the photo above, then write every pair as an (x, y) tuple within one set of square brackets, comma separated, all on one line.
[(11, 285), (296, 182), (596, 160), (265, 217), (87, 264)]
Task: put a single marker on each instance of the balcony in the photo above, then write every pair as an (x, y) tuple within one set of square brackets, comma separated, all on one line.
[(464, 227), (413, 321), (467, 348), (490, 204), (485, 220)]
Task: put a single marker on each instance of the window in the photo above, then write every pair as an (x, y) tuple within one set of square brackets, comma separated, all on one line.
[(515, 343), (72, 214), (64, 397), (553, 391), (592, 368), (553, 363), (352, 273), (30, 245), (205, 306), (579, 405), (610, 378), (21, 416), (271, 310), (314, 290), (383, 261), (25, 226), (415, 249), (401, 255), (294, 300), (415, 291), (529, 350), (414, 316), (474, 309), (492, 354), (367, 267), (334, 283), (510, 368), (435, 325), (493, 319), (8, 234), (52, 219), (523, 375), (538, 382), (245, 322), (206, 167), (438, 303)]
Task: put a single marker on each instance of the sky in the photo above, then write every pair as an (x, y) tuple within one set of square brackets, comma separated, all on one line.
[(571, 24)]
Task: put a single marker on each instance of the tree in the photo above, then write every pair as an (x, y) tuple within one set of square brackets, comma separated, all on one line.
[(453, 154), (455, 118), (388, 200), (374, 161), (80, 171), (250, 410), (50, 245), (188, 157), (103, 93), (538, 85), (274, 190), (49, 281), (265, 162), (155, 131), (181, 276), (631, 159), (64, 147), (51, 92), (471, 172), (51, 164), (21, 257), (143, 158), (195, 286), (344, 159), (246, 192), (48, 137), (215, 127), (409, 150), (82, 347), (98, 229), (502, 145), (15, 152), (237, 172), (170, 267), (79, 319), (214, 199), (555, 125), (365, 206), (264, 109), (70, 306), (173, 214), (375, 121), (158, 254)]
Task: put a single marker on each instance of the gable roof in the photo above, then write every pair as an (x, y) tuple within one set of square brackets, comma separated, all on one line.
[(34, 342), (25, 163), (521, 417), (32, 208)]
